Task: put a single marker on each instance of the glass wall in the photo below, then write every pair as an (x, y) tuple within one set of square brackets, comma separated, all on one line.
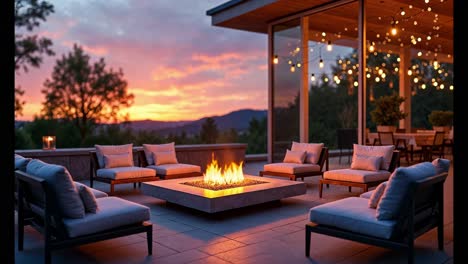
[(287, 67), (333, 76)]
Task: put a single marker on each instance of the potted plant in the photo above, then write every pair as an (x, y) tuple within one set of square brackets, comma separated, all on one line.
[(387, 112), (441, 120)]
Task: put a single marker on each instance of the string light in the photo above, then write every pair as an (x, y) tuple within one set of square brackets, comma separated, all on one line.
[(410, 72), (393, 30), (312, 77), (293, 68), (435, 64), (275, 59), (329, 46), (321, 63)]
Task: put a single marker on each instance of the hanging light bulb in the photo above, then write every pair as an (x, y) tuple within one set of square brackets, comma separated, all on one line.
[(293, 68), (312, 77), (275, 59), (402, 12), (289, 62), (329, 46), (410, 72), (321, 63), (435, 64), (299, 64), (393, 30), (371, 48)]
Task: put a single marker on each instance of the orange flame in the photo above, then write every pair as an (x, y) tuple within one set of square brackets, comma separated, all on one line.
[(230, 174)]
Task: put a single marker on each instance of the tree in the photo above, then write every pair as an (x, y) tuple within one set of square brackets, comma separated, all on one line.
[(85, 93), (29, 48), (209, 131)]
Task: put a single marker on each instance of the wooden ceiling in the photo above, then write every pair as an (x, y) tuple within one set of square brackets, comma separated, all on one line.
[(433, 26)]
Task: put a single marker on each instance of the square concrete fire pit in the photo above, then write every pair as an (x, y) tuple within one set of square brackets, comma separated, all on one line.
[(175, 191)]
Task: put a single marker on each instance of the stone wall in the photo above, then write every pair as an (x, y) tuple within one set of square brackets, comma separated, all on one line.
[(77, 160)]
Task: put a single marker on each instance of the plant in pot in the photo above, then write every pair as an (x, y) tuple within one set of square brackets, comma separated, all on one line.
[(441, 120), (387, 112)]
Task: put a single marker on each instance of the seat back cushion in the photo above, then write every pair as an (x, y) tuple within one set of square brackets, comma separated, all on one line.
[(441, 165), (312, 150), (108, 150), (88, 199), (366, 163), (118, 160), (386, 152), (21, 162), (150, 148), (294, 156), (398, 186), (62, 184), (376, 195), (164, 157)]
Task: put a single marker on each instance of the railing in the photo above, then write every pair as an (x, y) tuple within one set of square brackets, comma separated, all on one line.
[(77, 160)]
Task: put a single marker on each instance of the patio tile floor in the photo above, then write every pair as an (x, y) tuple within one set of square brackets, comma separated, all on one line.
[(267, 233)]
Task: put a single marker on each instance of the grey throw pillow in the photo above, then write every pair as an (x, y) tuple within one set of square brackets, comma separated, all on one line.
[(21, 162), (59, 179), (441, 165), (397, 187), (88, 198)]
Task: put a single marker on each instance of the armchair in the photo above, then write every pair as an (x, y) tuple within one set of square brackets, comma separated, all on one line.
[(416, 202), (298, 170), (66, 219)]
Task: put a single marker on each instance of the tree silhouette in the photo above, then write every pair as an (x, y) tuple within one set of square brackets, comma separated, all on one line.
[(29, 48), (85, 93), (209, 131)]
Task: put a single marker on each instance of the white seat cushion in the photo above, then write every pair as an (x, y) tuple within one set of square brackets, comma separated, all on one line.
[(353, 214), (171, 169), (125, 173), (351, 175), (113, 212), (291, 168)]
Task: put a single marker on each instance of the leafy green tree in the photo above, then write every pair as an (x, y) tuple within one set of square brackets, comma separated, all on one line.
[(110, 134), (23, 139), (209, 131), (256, 136), (29, 48), (228, 136), (85, 93)]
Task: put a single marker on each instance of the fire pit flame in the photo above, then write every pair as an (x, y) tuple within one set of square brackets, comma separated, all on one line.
[(215, 175)]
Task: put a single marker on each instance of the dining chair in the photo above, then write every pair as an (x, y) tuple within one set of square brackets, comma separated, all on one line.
[(387, 138), (436, 148)]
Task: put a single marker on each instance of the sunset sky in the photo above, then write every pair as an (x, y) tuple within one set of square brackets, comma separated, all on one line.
[(177, 65)]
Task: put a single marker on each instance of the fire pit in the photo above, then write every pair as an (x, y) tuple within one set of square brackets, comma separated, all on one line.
[(222, 189), (217, 178)]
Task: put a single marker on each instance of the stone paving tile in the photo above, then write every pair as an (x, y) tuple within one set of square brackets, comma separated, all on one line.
[(190, 240), (183, 257), (210, 260), (217, 248), (259, 237), (112, 243)]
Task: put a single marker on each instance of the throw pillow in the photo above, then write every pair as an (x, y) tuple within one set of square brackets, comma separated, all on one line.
[(117, 160), (398, 187), (21, 162), (376, 151), (313, 150), (441, 165), (164, 157), (377, 195), (60, 181), (102, 150), (294, 156), (369, 163), (88, 199), (150, 148)]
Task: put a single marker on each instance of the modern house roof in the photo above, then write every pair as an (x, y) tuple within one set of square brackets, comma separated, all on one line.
[(429, 24)]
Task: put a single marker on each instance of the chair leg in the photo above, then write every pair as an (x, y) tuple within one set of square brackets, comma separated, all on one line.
[(410, 251), (307, 243), (134, 185), (111, 188), (149, 240), (349, 188), (320, 189), (20, 231)]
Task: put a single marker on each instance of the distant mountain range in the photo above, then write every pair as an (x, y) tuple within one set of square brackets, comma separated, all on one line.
[(239, 120)]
